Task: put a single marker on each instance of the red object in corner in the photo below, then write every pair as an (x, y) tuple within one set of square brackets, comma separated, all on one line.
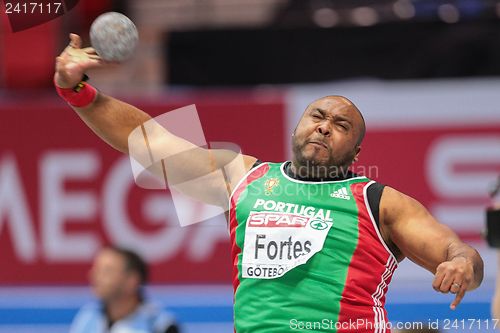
[(27, 57)]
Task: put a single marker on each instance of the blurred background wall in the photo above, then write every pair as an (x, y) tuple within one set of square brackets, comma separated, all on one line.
[(425, 73)]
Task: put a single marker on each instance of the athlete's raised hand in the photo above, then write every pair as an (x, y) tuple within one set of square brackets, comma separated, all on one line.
[(74, 61)]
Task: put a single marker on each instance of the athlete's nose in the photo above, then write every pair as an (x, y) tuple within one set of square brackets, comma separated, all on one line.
[(324, 129)]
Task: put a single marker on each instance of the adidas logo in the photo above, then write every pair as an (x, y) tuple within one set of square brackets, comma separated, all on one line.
[(340, 194)]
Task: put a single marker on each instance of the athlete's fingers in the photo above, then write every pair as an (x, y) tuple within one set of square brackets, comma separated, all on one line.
[(94, 57), (455, 286), (458, 298), (93, 63), (60, 64), (446, 283), (75, 41), (438, 279), (77, 55), (89, 50)]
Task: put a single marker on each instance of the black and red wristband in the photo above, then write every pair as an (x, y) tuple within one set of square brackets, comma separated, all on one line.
[(82, 95)]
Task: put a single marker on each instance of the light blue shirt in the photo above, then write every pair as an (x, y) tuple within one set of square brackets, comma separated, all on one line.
[(148, 318)]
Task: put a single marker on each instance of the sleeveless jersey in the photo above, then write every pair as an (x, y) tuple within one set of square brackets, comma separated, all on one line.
[(306, 255)]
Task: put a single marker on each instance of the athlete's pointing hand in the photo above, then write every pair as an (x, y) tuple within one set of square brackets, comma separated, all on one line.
[(454, 277)]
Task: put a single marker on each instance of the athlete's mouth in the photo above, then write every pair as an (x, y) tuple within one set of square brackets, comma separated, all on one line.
[(319, 143)]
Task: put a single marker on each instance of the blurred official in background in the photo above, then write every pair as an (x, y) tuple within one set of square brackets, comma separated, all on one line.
[(117, 277)]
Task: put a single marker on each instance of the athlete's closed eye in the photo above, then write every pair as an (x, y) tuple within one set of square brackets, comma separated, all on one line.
[(317, 114), (345, 126)]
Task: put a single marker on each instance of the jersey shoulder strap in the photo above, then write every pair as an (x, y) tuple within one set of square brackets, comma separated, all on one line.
[(374, 194)]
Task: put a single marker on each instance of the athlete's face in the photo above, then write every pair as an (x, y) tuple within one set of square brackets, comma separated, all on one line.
[(328, 134), (109, 277)]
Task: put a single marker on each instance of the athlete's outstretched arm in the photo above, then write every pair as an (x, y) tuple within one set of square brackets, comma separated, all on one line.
[(113, 121), (416, 233)]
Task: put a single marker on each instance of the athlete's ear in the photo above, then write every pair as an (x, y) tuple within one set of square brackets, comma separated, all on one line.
[(356, 156)]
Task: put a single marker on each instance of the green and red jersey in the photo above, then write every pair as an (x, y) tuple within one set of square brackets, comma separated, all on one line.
[(306, 253)]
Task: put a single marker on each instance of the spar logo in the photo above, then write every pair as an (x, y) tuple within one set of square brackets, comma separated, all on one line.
[(319, 225), (284, 220), (277, 219)]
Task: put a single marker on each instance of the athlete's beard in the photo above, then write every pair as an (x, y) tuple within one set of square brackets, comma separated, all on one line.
[(335, 166)]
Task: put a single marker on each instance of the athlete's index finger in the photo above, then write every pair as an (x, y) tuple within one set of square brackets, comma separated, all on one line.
[(458, 298)]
